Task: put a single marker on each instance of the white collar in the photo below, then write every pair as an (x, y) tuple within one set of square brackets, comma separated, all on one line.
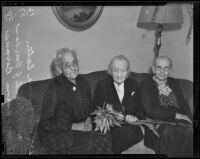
[(121, 85), (120, 90)]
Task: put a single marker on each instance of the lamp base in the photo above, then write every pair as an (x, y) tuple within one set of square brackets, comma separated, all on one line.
[(158, 34)]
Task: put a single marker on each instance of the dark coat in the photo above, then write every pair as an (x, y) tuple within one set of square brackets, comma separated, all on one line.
[(105, 92), (65, 103), (63, 106), (150, 100), (174, 140)]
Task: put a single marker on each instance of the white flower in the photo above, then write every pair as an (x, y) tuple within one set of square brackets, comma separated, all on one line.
[(109, 108), (165, 90), (74, 88), (104, 118), (132, 93)]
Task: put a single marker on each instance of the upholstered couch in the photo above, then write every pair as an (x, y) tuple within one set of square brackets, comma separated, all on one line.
[(22, 115)]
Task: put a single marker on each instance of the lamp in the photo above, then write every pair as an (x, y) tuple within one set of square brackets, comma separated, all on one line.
[(160, 18)]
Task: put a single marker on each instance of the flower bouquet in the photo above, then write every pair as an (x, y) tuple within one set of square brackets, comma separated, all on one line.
[(107, 117)]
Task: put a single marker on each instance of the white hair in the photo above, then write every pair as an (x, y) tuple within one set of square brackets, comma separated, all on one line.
[(119, 57), (163, 57), (59, 55)]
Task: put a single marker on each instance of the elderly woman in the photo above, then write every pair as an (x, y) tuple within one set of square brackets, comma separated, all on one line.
[(120, 91), (64, 125), (162, 99)]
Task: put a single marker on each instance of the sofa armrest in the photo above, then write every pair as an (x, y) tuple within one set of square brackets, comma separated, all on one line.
[(14, 142), (18, 123)]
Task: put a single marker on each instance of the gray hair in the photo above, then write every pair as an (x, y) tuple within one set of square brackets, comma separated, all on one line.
[(163, 57), (60, 53), (119, 57)]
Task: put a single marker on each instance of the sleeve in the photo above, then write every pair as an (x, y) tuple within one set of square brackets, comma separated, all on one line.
[(53, 115), (152, 108), (184, 107), (99, 96), (89, 97)]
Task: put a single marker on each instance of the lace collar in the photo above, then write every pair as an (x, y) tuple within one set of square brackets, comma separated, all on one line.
[(163, 88)]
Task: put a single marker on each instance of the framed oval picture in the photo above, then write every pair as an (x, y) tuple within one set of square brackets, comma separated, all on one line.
[(77, 18)]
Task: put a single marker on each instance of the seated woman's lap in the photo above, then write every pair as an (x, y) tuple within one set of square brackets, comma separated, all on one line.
[(99, 143), (175, 140), (125, 137), (69, 142)]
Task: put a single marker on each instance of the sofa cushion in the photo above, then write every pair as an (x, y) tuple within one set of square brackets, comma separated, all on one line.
[(34, 92), (93, 78)]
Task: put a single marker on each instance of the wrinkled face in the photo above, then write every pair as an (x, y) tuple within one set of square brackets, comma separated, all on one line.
[(161, 69), (69, 66), (119, 71)]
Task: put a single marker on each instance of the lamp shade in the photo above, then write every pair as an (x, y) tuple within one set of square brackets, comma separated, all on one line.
[(169, 15)]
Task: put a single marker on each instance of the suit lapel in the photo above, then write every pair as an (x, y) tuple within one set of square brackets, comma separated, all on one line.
[(114, 92), (126, 91)]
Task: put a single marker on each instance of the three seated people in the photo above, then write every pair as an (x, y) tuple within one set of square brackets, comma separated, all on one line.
[(65, 124)]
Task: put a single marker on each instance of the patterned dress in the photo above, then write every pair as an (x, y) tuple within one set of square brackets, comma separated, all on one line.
[(162, 103)]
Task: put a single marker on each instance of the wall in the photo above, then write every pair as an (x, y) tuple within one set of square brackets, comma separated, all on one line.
[(31, 36)]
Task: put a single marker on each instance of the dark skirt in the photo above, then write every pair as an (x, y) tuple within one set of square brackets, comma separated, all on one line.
[(75, 142), (125, 137), (174, 141)]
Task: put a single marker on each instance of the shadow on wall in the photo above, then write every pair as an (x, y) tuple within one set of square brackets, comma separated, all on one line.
[(53, 69), (150, 70)]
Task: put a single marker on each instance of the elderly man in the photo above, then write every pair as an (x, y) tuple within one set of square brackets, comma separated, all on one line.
[(64, 125), (120, 91)]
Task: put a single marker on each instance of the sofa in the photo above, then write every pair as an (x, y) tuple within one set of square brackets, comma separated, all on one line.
[(20, 117)]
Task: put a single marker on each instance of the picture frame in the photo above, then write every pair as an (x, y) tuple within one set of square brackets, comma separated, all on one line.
[(77, 18)]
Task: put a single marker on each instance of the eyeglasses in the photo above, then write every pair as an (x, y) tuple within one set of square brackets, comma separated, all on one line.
[(119, 70), (68, 66), (165, 69)]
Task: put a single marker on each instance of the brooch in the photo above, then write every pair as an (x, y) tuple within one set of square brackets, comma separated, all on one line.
[(132, 93), (74, 88)]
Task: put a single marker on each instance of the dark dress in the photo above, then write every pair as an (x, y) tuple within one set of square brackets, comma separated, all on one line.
[(65, 103), (127, 135), (174, 141)]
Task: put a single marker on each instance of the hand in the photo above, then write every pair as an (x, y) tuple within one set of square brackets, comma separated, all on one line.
[(183, 117), (83, 126), (88, 120), (131, 118), (87, 125), (120, 117), (78, 126)]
